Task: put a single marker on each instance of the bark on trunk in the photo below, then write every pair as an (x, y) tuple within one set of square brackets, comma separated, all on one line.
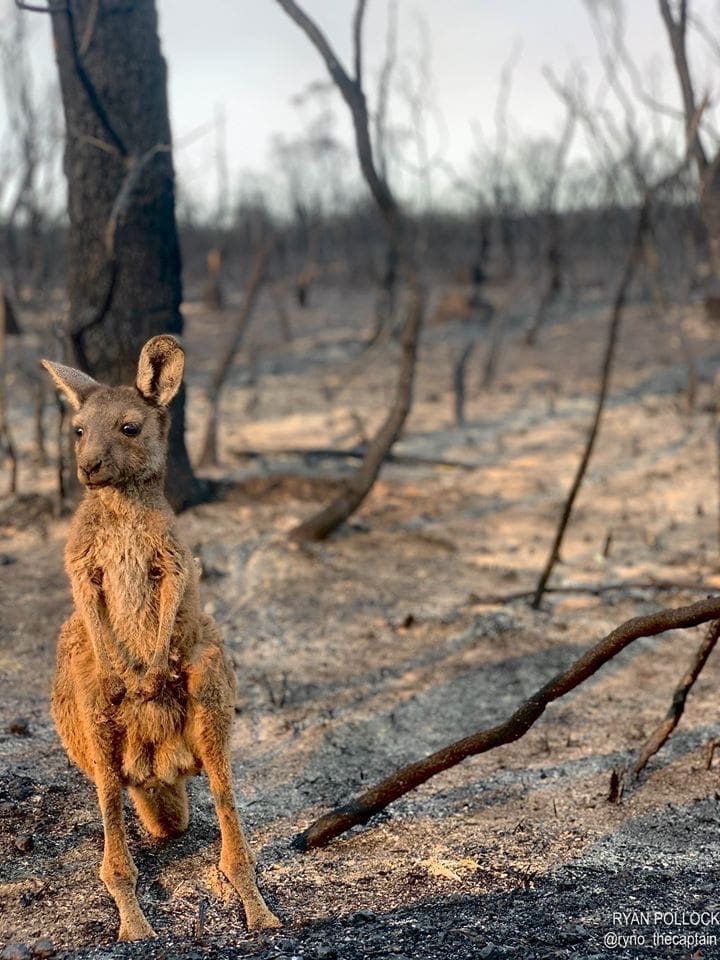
[(114, 91), (710, 210)]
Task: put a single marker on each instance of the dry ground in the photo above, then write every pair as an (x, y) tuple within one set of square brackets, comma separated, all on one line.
[(365, 652)]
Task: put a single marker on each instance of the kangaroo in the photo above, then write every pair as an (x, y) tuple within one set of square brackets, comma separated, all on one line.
[(143, 696)]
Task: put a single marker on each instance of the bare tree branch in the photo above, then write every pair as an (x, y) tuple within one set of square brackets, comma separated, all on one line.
[(458, 379), (135, 169), (354, 96), (633, 257), (359, 485), (89, 28), (677, 31), (357, 40), (383, 90), (50, 7), (660, 736)]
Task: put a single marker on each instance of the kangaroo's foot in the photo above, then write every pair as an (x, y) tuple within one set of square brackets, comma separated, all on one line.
[(135, 927), (117, 871), (257, 913)]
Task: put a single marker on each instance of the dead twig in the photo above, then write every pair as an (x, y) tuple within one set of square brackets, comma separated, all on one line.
[(459, 379), (378, 797), (662, 733), (209, 455)]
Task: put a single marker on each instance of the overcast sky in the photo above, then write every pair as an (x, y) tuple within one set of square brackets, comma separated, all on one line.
[(247, 57)]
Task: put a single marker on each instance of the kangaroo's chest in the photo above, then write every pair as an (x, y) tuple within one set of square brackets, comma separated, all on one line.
[(125, 566)]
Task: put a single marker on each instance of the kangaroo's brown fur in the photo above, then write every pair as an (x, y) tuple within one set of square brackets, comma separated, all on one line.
[(143, 695)]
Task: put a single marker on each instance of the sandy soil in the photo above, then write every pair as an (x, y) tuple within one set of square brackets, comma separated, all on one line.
[(365, 652)]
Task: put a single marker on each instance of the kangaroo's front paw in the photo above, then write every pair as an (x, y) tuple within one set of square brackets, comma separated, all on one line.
[(113, 688), (152, 684)]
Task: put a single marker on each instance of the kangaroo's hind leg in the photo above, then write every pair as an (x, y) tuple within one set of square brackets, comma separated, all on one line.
[(236, 860), (212, 696), (80, 710), (118, 871)]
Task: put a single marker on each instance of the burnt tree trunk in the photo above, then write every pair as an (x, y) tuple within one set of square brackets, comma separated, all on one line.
[(124, 288), (706, 156), (710, 211)]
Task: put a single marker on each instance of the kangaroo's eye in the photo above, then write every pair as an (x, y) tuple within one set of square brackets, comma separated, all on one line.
[(78, 431), (130, 429)]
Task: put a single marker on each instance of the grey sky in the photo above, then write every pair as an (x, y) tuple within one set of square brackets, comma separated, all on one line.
[(249, 57)]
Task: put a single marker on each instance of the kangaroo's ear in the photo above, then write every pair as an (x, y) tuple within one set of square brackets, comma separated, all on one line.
[(160, 369), (76, 385)]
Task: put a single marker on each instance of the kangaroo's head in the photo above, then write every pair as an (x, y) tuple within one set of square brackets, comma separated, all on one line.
[(121, 432)]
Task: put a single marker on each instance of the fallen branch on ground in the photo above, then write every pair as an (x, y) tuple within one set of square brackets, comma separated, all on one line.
[(355, 453), (595, 590), (377, 798), (661, 734)]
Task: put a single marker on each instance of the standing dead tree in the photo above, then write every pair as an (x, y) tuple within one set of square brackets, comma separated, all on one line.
[(209, 455), (385, 304), (706, 157), (21, 215), (633, 257), (499, 211), (7, 444), (124, 256), (408, 778), (351, 88), (357, 487), (553, 229), (666, 307)]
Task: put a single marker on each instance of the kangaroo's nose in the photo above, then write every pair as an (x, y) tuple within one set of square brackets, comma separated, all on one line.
[(90, 468)]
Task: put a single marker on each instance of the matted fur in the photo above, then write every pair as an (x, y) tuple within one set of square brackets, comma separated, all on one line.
[(143, 695)]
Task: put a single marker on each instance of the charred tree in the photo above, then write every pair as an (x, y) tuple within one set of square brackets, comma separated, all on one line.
[(124, 258), (707, 164), (351, 88)]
